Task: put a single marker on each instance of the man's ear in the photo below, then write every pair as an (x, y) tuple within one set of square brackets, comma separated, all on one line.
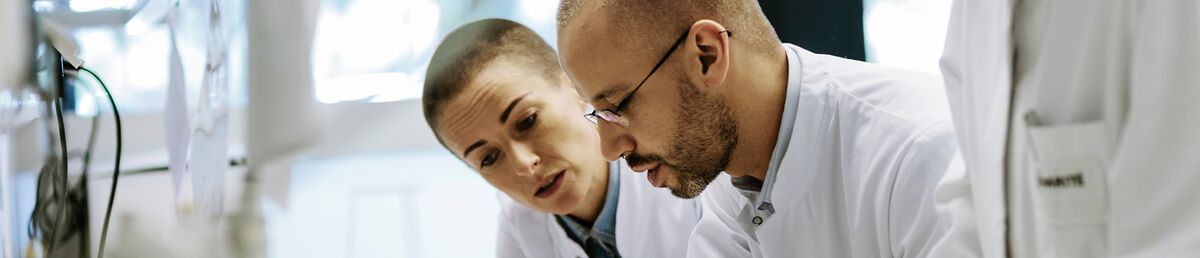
[(712, 40)]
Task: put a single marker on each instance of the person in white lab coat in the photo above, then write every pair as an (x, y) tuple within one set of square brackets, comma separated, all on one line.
[(829, 157), (1078, 122), (496, 98)]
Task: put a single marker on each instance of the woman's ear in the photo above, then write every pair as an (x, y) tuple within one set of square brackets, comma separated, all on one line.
[(712, 43)]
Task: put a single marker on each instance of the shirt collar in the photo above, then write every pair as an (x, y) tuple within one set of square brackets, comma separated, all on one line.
[(604, 228), (606, 223), (762, 196)]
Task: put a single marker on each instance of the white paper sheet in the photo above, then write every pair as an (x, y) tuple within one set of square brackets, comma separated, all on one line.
[(208, 159), (175, 116)]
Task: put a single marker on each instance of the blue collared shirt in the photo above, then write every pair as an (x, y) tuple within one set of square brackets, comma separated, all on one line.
[(600, 240)]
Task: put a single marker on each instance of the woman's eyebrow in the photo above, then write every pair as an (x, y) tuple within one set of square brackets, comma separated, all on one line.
[(504, 115), (473, 147)]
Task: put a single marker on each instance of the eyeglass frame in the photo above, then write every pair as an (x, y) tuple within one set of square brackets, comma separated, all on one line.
[(611, 115)]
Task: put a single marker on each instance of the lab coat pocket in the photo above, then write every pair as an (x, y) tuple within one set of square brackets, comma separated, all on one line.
[(1070, 190)]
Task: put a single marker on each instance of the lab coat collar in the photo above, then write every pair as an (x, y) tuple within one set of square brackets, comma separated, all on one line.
[(762, 197), (809, 120)]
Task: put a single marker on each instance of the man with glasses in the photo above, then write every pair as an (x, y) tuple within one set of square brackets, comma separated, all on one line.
[(831, 157)]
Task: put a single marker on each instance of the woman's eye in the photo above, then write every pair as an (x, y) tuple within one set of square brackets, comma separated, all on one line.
[(527, 123), (488, 160)]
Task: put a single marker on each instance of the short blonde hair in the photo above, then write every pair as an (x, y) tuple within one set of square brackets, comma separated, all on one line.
[(470, 48)]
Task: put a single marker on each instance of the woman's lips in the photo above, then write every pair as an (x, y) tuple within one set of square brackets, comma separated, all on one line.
[(548, 189)]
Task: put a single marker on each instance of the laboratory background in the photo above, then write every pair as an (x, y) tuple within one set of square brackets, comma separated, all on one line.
[(284, 128)]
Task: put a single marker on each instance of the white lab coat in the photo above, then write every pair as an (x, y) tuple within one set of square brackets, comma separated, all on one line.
[(868, 146), (1096, 102), (718, 233), (650, 223)]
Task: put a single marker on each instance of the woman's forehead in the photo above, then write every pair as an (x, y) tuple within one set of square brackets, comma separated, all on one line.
[(501, 86), (473, 113)]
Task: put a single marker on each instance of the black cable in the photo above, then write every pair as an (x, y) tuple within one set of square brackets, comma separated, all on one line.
[(48, 174), (62, 139), (35, 220), (87, 164), (60, 188), (116, 164), (91, 144)]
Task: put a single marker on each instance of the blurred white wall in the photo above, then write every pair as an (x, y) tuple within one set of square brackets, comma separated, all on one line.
[(906, 33)]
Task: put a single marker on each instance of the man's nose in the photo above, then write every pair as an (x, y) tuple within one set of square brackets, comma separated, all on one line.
[(615, 141)]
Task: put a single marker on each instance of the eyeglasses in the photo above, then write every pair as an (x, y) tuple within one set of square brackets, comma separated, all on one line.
[(611, 115)]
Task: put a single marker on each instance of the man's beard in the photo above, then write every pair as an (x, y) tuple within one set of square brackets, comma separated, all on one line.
[(701, 144)]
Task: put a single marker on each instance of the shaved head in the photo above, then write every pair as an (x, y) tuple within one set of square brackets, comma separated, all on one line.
[(679, 72), (646, 21), (467, 50)]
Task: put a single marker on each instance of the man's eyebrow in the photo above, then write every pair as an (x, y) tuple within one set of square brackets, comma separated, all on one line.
[(607, 92), (474, 146), (504, 116)]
